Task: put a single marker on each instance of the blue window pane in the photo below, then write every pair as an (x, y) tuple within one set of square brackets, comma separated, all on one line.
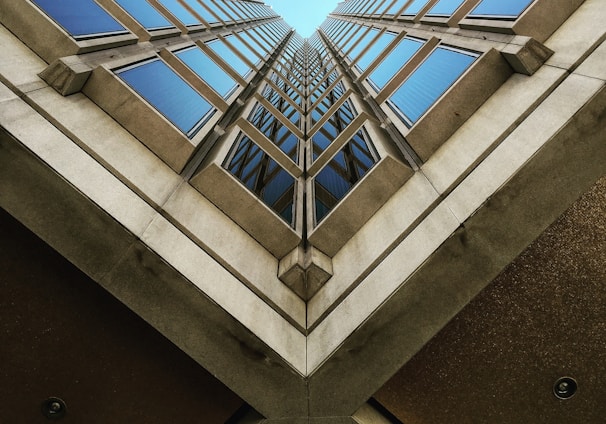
[(241, 47), (225, 53), (80, 18), (374, 51), (180, 12), (510, 8), (394, 61), (363, 43), (203, 12), (445, 7), (145, 14), (429, 81), (395, 7), (414, 7), (208, 70), (217, 11), (167, 92)]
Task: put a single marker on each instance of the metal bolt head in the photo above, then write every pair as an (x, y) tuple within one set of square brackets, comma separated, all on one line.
[(54, 408), (565, 388)]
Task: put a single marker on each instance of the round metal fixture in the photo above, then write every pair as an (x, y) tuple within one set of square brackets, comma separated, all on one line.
[(565, 388), (54, 408)]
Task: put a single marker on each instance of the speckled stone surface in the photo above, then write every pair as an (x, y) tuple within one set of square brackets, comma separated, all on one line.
[(542, 318)]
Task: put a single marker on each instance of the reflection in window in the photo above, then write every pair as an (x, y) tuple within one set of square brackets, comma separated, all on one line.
[(344, 170), (375, 50), (169, 94), (208, 70), (225, 53), (394, 62), (414, 7), (498, 8), (395, 7), (445, 7), (81, 18), (145, 14), (263, 176), (331, 128), (243, 49), (180, 12), (276, 131), (428, 82)]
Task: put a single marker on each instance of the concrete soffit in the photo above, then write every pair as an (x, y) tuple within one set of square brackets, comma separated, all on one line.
[(441, 238)]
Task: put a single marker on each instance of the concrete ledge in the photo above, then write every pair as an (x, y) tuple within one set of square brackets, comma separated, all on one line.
[(362, 201), (455, 106), (539, 20), (566, 163), (141, 119), (48, 39)]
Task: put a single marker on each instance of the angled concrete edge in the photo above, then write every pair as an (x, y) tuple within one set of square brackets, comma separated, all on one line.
[(551, 179)]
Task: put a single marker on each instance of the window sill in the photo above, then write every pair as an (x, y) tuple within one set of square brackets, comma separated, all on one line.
[(362, 201), (141, 119), (46, 38), (456, 105), (538, 21), (247, 210)]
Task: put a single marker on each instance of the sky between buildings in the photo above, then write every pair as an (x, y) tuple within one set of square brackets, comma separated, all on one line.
[(303, 15)]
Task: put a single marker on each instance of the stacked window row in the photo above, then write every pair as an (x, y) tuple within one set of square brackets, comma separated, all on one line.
[(414, 96), (223, 64), (84, 19), (277, 114), (331, 111), (485, 9)]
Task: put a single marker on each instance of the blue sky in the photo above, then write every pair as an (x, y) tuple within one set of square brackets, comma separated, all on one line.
[(304, 15)]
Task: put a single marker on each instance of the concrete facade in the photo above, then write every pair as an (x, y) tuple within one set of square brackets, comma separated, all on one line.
[(88, 168)]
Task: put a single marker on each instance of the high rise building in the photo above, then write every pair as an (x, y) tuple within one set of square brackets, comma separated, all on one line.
[(397, 219)]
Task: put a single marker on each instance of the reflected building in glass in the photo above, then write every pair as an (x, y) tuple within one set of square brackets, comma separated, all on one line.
[(302, 216)]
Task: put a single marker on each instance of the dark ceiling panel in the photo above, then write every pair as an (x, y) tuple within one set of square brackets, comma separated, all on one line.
[(542, 318), (63, 335)]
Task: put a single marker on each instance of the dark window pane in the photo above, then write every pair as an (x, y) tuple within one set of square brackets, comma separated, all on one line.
[(208, 70), (494, 8), (343, 172), (167, 92), (394, 61), (145, 14), (80, 18), (445, 7), (429, 81), (263, 176)]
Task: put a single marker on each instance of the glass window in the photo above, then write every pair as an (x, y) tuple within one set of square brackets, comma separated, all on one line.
[(203, 12), (414, 7), (225, 53), (169, 94), (362, 43), (145, 14), (180, 12), (276, 131), (429, 81), (343, 172), (445, 7), (241, 47), (375, 50), (80, 18), (395, 7), (218, 11), (208, 70), (263, 176), (500, 8), (394, 61)]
